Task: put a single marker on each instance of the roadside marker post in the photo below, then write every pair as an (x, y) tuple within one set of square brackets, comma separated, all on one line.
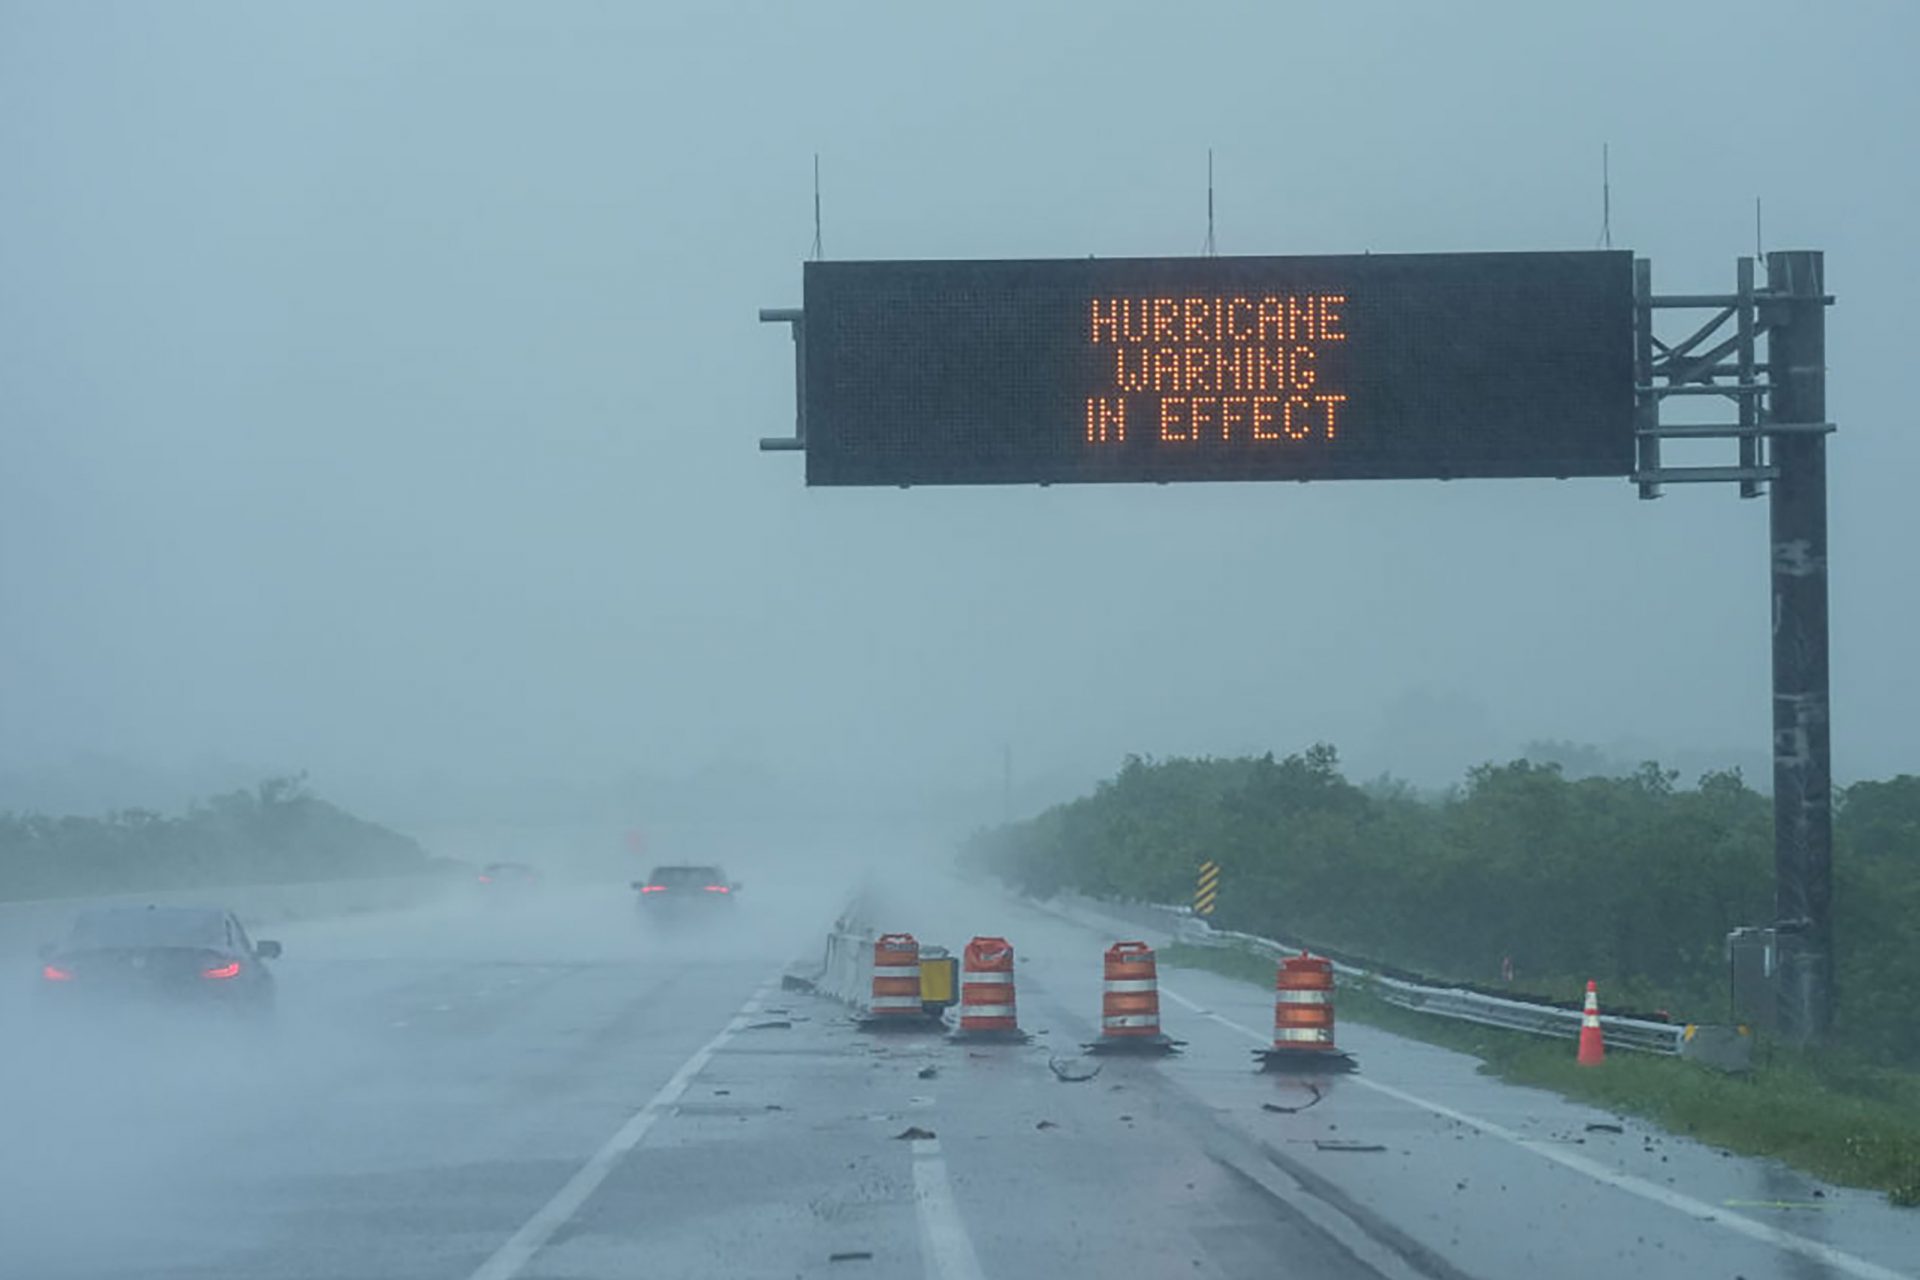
[(1206, 888)]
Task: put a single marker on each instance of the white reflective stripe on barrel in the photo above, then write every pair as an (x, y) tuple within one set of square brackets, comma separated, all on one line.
[(987, 1011), (973, 975), (895, 1002), (1132, 984), (1302, 997), (1130, 1020), (1319, 1035), (897, 971)]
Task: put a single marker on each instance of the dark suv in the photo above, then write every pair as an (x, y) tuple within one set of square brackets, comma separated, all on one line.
[(672, 891)]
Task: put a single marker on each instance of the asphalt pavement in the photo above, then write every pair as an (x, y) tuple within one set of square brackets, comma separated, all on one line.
[(551, 1088)]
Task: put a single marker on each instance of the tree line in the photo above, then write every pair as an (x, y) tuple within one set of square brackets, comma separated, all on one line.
[(275, 833), (1632, 880)]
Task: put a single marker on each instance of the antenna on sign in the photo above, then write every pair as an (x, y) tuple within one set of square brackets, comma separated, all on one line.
[(816, 207), (1758, 252), (1209, 250), (1606, 197)]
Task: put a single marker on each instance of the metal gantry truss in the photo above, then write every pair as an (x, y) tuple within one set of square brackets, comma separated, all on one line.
[(1781, 431), (1717, 358)]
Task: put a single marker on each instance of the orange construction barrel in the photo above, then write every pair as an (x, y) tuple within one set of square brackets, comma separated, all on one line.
[(1130, 1002), (986, 992), (1303, 1016), (896, 981)]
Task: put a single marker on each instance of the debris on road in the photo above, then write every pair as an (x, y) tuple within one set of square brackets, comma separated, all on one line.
[(1046, 1124), (1599, 1126), (1289, 1111), (1073, 1070), (771, 1024), (913, 1133), (927, 1072), (852, 1255), (722, 1093), (1331, 1144)]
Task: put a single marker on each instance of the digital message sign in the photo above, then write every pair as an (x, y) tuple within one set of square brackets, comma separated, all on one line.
[(1168, 369)]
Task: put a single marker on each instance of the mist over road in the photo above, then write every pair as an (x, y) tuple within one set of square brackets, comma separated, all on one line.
[(551, 1086)]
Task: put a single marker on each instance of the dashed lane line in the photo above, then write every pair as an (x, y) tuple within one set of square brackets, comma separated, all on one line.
[(510, 1258), (945, 1247)]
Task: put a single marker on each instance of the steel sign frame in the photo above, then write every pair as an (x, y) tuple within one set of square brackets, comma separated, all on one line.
[(1779, 429), (1119, 370)]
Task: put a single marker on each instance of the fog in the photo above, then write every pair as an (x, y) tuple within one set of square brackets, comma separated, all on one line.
[(412, 1054), (379, 390)]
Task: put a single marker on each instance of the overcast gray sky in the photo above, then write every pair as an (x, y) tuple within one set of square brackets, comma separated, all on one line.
[(379, 387)]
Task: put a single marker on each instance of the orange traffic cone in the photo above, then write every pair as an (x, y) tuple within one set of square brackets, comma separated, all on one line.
[(1593, 1048)]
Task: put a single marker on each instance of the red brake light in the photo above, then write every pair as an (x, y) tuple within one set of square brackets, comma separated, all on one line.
[(231, 969), (718, 888), (653, 888), (54, 973)]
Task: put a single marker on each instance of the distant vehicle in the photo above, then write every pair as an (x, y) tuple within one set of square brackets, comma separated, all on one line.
[(507, 877), (157, 956), (678, 889)]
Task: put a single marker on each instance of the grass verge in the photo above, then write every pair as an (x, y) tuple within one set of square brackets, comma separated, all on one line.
[(1837, 1119)]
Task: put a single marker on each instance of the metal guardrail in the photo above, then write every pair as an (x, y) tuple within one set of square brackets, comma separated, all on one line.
[(1535, 1019), (1442, 1002)]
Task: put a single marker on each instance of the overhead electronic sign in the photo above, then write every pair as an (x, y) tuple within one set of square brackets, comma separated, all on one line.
[(1169, 369)]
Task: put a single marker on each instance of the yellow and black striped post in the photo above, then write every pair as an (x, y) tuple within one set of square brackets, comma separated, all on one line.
[(1206, 889)]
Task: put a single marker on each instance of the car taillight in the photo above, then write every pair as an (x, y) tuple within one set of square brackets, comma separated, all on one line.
[(486, 879), (231, 969), (54, 973), (718, 888), (653, 888)]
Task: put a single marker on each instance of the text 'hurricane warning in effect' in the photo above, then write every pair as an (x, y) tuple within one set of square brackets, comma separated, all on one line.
[(1067, 371), (1225, 367)]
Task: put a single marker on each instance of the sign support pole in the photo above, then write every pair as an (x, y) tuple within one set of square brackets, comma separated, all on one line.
[(1802, 738)]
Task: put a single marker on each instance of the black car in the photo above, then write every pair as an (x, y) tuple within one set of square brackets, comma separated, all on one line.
[(678, 889), (157, 956)]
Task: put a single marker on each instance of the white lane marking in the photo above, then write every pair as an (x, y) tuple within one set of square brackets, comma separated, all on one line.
[(945, 1247), (1826, 1255), (520, 1247), (1353, 1237)]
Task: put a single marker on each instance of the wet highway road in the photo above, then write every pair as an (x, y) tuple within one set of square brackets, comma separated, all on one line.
[(551, 1092)]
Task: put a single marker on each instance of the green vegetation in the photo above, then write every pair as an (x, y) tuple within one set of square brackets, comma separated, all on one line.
[(1633, 881), (276, 833), (1831, 1115)]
